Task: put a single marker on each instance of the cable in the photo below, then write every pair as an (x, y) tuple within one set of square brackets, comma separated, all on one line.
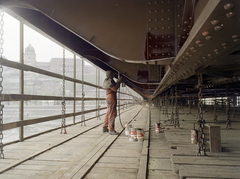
[(119, 116)]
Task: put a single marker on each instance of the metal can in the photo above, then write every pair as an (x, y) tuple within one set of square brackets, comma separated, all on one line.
[(133, 132), (158, 127), (194, 136), (140, 134)]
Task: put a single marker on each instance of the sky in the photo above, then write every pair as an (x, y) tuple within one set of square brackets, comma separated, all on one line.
[(45, 49)]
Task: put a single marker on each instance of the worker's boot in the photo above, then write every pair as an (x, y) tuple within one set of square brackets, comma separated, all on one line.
[(105, 129), (113, 132)]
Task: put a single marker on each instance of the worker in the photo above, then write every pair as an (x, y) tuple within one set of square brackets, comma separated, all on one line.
[(111, 98)]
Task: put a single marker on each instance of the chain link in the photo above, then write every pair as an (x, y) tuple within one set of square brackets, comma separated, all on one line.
[(201, 122), (83, 95), (228, 110), (215, 108), (176, 121), (189, 103), (63, 126), (1, 82), (172, 116), (166, 104)]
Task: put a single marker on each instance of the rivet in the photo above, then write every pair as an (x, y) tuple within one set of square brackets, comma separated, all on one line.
[(156, 45), (150, 2), (149, 19), (169, 54), (185, 22), (204, 58), (150, 46), (150, 37), (216, 51), (179, 15), (156, 54), (156, 37), (156, 11), (201, 45), (163, 36), (184, 30), (187, 53), (163, 19), (224, 44), (235, 36), (156, 28), (163, 54), (192, 48), (236, 40), (178, 25), (183, 37), (156, 19), (210, 55), (163, 28), (163, 2), (228, 6), (163, 10), (179, 5), (163, 45), (169, 27), (155, 2), (190, 55), (206, 33), (150, 28), (231, 14), (169, 10), (209, 37), (214, 22), (187, 58), (169, 18), (218, 27), (150, 55), (150, 11), (198, 41)]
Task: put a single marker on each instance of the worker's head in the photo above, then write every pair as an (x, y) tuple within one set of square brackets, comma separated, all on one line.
[(109, 74)]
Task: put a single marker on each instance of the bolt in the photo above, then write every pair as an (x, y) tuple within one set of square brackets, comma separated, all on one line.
[(198, 41), (231, 14), (219, 27), (235, 36), (214, 22), (209, 37), (206, 33), (201, 45), (228, 6)]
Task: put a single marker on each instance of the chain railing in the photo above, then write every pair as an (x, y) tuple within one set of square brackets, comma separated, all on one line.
[(172, 104), (63, 126), (1, 83), (201, 121), (215, 121), (228, 124), (176, 121), (83, 95)]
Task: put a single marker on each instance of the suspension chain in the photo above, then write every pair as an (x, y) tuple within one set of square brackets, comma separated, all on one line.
[(189, 103), (1, 83), (172, 116), (98, 93), (176, 122), (166, 103), (215, 108), (201, 122), (63, 126), (83, 94), (228, 110)]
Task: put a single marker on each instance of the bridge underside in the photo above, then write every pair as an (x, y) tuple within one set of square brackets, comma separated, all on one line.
[(154, 44)]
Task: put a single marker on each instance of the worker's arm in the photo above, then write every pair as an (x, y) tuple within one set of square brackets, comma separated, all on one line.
[(115, 88)]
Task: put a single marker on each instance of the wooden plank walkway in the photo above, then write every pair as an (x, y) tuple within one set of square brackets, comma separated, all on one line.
[(124, 159), (184, 159), (55, 155)]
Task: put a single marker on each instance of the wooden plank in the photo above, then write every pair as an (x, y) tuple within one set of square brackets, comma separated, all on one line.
[(206, 160), (160, 164), (157, 174), (207, 174)]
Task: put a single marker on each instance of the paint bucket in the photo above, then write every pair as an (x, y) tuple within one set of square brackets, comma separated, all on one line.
[(128, 129), (133, 136), (194, 136), (140, 134), (158, 127)]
